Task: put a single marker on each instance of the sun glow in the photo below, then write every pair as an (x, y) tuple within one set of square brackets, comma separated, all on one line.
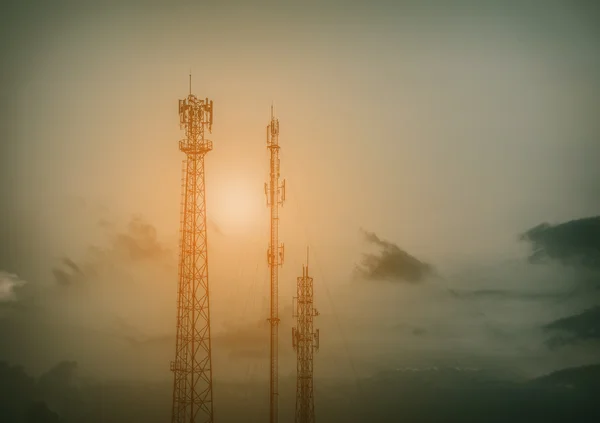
[(237, 206)]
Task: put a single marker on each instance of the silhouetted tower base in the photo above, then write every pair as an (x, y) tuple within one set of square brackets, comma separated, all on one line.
[(305, 342), (192, 369)]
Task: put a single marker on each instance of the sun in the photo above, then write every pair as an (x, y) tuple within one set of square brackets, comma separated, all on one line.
[(237, 205)]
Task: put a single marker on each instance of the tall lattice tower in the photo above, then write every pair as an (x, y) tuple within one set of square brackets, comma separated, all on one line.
[(305, 342), (192, 370), (275, 193)]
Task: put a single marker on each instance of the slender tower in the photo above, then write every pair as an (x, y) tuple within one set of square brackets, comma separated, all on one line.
[(305, 342), (192, 370), (275, 193)]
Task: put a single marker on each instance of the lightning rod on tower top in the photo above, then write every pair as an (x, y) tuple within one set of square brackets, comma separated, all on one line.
[(275, 192), (192, 367)]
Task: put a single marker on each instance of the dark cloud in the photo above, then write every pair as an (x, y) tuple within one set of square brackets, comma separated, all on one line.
[(69, 273), (512, 295), (70, 309), (408, 394), (62, 277), (392, 263), (72, 265), (61, 376), (25, 400), (574, 329), (60, 395), (140, 241), (472, 395), (576, 242), (581, 378), (39, 412), (18, 393), (59, 388)]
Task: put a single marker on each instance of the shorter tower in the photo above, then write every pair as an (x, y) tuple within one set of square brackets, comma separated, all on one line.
[(305, 342)]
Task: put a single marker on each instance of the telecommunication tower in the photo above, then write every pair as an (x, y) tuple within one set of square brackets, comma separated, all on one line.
[(275, 193), (192, 370), (305, 342)]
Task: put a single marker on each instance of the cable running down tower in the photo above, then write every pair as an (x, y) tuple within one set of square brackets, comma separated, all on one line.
[(275, 193), (192, 370), (305, 342)]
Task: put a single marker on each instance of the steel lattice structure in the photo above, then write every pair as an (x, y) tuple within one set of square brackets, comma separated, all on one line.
[(275, 193), (305, 341), (192, 370)]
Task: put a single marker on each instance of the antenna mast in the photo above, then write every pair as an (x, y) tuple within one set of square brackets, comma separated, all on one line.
[(305, 342), (192, 369), (275, 193)]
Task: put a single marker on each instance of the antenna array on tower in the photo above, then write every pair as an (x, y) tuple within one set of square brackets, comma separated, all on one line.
[(275, 193), (305, 341), (192, 369)]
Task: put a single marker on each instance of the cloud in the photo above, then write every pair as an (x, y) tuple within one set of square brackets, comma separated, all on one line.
[(576, 242), (61, 376), (251, 338), (392, 263), (440, 394), (137, 338), (137, 243), (59, 388), (140, 241), (429, 394), (584, 377), (584, 326), (215, 227), (512, 295), (247, 340), (8, 285), (69, 274), (39, 412), (122, 269), (22, 399)]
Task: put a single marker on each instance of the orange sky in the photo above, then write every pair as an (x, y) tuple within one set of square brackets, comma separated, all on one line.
[(446, 136)]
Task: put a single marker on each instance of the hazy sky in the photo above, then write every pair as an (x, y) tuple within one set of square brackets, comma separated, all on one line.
[(447, 128)]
